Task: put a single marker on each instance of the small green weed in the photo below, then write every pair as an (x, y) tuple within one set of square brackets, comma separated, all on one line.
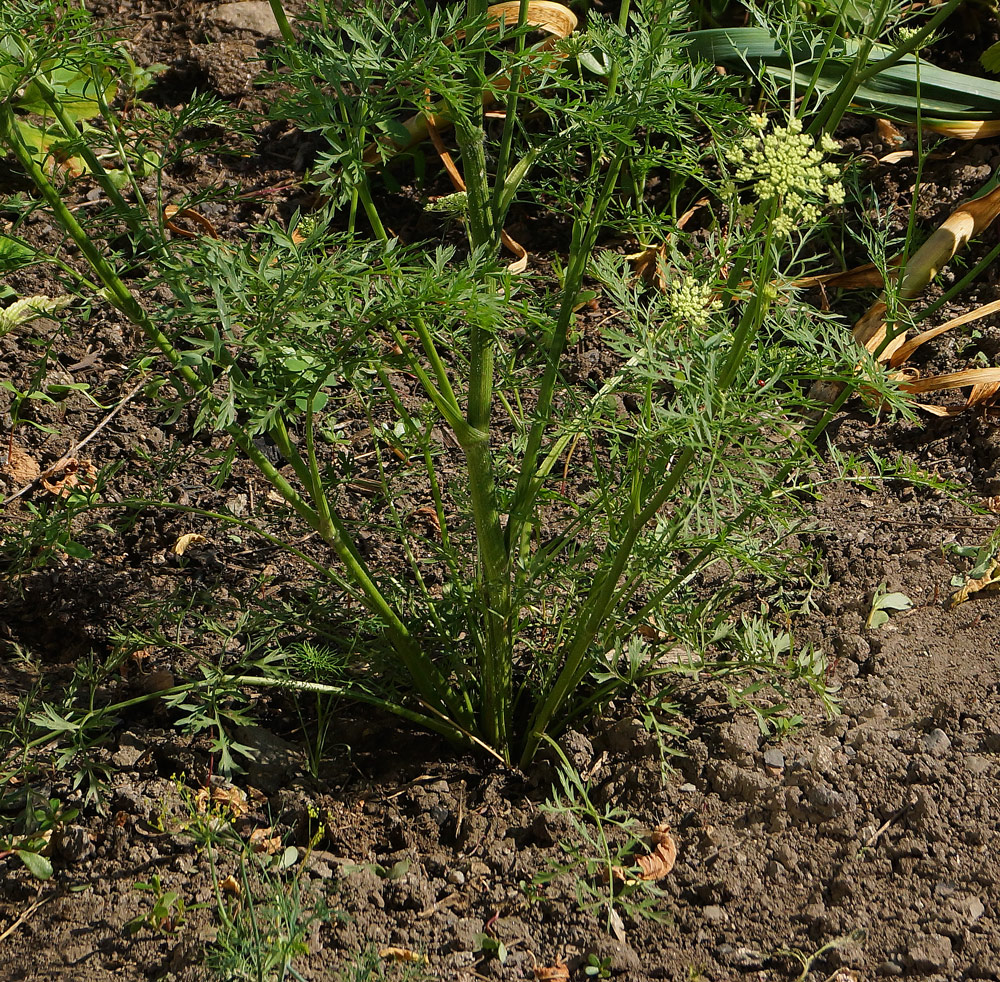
[(33, 829), (807, 961), (166, 915), (265, 917), (604, 840), (597, 967), (883, 603), (491, 947)]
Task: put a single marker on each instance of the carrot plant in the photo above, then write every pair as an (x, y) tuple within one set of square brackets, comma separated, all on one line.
[(565, 531)]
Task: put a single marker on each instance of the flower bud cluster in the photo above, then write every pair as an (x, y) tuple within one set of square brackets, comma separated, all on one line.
[(691, 302), (786, 165)]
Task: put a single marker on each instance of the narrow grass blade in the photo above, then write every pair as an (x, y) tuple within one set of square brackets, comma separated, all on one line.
[(944, 96)]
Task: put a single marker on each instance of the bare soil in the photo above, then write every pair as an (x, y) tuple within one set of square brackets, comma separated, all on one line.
[(876, 826)]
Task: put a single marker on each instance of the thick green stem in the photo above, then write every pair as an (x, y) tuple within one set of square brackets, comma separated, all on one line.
[(482, 223), (752, 319), (585, 232), (596, 608), (286, 30)]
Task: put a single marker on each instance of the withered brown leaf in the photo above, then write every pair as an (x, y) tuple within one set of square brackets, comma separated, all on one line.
[(400, 954), (656, 864), (559, 972), (19, 466), (75, 474)]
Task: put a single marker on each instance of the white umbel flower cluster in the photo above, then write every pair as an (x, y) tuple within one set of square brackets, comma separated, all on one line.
[(787, 165), (28, 308), (691, 302)]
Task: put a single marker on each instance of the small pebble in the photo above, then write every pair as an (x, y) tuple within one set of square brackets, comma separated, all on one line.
[(936, 742), (976, 765), (774, 758), (975, 908)]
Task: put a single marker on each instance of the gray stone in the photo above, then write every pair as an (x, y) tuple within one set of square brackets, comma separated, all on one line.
[(730, 781), (890, 968), (714, 914), (578, 749), (974, 908), (976, 765), (740, 957), (74, 844), (826, 802), (276, 760), (853, 646), (739, 738), (774, 758), (936, 742), (128, 753), (248, 15)]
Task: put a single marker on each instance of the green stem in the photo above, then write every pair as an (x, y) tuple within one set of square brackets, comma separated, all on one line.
[(445, 727), (861, 71), (318, 494), (364, 193), (286, 31), (596, 609), (603, 593), (510, 112), (428, 680), (122, 208), (439, 391), (753, 316), (480, 219), (910, 45), (585, 231)]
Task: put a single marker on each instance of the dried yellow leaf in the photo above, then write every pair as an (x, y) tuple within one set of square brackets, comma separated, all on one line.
[(990, 580), (395, 954), (231, 885), (186, 540)]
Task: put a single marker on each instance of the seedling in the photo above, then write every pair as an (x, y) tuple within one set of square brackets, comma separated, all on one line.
[(491, 946), (597, 967), (32, 845), (808, 961), (600, 853), (883, 604), (167, 914)]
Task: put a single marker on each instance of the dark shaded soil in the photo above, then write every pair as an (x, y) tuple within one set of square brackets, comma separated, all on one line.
[(875, 827)]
